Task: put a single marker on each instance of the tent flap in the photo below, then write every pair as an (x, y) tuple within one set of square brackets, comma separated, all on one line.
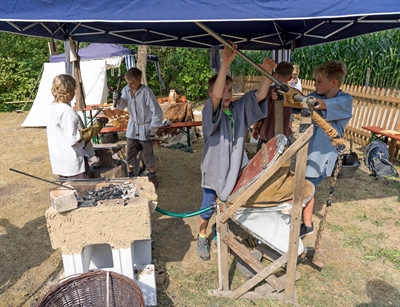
[(93, 76)]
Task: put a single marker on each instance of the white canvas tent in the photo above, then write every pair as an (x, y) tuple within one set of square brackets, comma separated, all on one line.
[(94, 78)]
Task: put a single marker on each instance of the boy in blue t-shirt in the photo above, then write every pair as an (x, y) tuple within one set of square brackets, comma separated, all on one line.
[(336, 108)]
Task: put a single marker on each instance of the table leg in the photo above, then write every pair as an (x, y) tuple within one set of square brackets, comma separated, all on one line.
[(188, 136), (372, 137)]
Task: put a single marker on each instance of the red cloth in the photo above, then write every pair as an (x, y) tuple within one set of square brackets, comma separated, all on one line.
[(267, 130)]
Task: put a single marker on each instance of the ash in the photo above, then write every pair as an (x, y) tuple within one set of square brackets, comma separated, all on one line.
[(121, 192)]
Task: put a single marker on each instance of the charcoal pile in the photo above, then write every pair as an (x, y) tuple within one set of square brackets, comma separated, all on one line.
[(120, 192)]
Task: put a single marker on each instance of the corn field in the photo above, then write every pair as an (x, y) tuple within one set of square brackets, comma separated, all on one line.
[(380, 52)]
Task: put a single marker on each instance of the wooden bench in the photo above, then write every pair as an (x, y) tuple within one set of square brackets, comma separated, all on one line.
[(184, 127), (10, 103)]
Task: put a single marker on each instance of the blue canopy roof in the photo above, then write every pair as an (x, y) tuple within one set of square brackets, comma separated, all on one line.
[(256, 24), (101, 51)]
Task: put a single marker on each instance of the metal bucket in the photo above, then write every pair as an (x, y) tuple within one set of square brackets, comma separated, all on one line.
[(350, 165)]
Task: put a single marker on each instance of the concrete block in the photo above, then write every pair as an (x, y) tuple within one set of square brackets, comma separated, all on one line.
[(145, 279), (63, 199)]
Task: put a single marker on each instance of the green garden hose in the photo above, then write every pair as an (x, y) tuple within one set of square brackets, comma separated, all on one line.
[(186, 214)]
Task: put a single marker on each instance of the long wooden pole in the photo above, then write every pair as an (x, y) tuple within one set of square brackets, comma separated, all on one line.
[(243, 56)]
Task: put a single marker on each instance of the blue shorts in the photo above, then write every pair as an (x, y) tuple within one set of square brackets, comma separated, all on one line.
[(209, 197), (316, 180)]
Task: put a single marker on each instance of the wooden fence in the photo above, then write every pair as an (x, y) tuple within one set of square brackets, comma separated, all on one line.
[(371, 107)]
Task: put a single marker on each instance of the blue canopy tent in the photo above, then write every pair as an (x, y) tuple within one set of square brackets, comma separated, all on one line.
[(101, 51), (255, 25)]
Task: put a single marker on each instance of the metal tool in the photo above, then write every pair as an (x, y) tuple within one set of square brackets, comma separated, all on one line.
[(45, 180), (115, 101)]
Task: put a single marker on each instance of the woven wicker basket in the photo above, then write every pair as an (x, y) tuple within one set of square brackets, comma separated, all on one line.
[(90, 289)]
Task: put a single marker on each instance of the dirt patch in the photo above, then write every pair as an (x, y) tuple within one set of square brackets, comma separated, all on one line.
[(362, 257)]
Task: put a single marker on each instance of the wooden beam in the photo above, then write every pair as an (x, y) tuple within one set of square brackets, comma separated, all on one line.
[(295, 219), (259, 277)]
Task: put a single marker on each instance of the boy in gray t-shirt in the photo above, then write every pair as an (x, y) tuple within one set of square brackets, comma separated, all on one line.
[(225, 126)]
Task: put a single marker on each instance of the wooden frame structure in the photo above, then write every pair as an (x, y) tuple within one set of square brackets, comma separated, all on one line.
[(275, 288)]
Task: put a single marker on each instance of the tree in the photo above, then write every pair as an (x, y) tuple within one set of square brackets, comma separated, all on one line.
[(142, 62)]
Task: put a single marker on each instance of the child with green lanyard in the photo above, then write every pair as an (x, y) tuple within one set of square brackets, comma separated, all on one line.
[(225, 126)]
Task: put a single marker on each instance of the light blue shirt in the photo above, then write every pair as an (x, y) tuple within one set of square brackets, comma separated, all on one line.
[(144, 111), (322, 154)]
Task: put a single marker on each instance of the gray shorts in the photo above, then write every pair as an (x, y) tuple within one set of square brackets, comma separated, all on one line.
[(134, 146)]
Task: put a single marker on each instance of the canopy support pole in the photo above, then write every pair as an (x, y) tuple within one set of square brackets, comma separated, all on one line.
[(68, 65)]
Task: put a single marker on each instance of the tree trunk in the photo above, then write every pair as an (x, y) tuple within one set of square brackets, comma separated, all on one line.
[(142, 62)]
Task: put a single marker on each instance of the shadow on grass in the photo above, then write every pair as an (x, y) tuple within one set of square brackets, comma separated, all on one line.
[(21, 250), (171, 241), (381, 294)]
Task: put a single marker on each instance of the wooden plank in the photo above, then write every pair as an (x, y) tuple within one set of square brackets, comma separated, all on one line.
[(266, 288), (278, 109), (241, 251), (247, 295), (259, 277), (271, 296), (182, 125), (223, 254), (295, 220)]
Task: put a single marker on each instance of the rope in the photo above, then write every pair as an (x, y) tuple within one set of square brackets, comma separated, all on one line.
[(339, 143), (328, 129), (328, 201)]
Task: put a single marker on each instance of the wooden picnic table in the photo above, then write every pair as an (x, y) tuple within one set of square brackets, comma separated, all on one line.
[(392, 134), (183, 126)]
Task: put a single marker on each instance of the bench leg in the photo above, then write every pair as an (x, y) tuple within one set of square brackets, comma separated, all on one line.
[(392, 149)]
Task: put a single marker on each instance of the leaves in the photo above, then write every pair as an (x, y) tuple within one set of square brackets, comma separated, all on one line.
[(21, 61)]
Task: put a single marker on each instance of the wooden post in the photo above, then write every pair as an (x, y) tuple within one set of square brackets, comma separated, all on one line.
[(296, 212), (278, 109), (223, 268)]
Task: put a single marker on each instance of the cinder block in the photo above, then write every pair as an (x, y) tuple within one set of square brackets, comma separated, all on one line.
[(63, 199), (145, 279), (122, 261)]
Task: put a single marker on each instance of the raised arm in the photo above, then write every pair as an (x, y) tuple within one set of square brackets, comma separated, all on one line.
[(268, 65), (218, 89)]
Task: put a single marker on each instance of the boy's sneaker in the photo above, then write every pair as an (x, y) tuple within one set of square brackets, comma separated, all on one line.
[(305, 230), (130, 174), (203, 250), (153, 180)]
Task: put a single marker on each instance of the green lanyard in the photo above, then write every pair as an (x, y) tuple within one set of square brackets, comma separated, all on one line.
[(228, 113)]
